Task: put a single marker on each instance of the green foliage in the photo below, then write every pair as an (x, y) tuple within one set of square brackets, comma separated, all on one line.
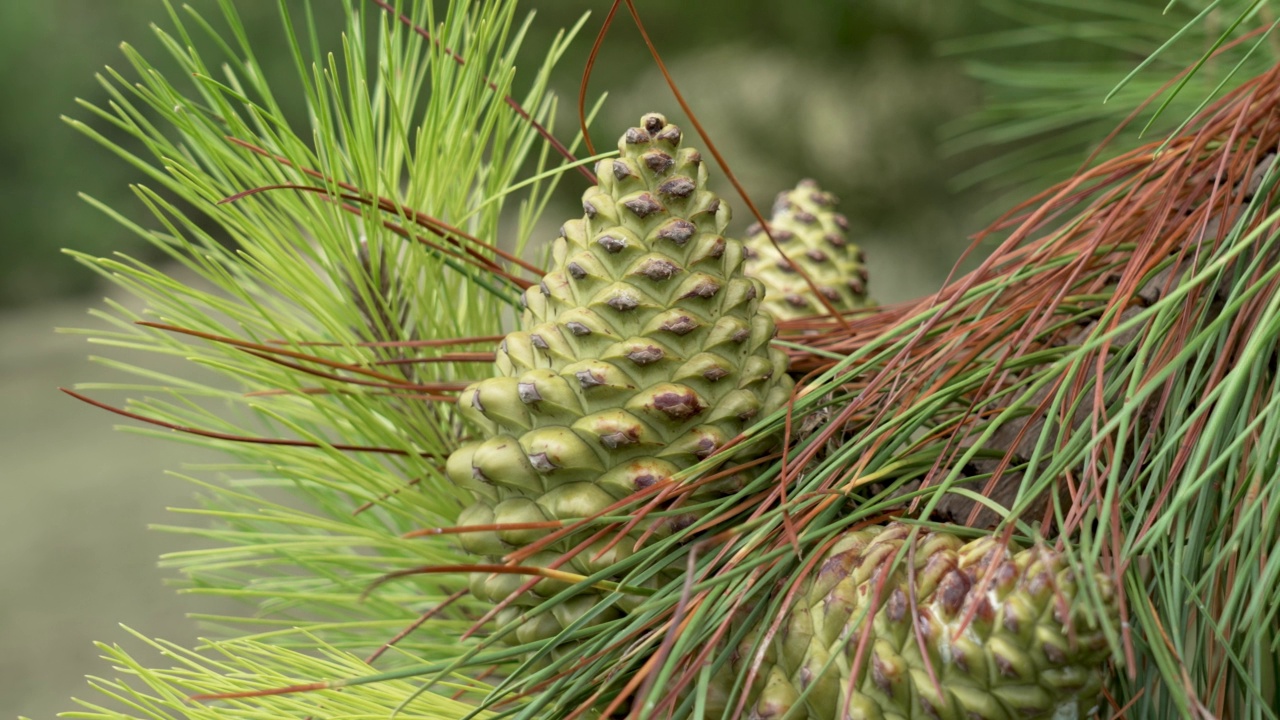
[(1059, 77), (269, 664), (396, 117)]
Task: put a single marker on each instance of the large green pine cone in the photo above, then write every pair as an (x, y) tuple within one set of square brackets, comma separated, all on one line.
[(1016, 660), (641, 353), (815, 239)]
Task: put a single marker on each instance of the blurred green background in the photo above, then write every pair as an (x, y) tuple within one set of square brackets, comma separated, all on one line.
[(846, 92), (851, 93)]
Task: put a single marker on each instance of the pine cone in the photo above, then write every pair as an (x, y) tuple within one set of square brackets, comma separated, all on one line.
[(815, 239), (1016, 658), (641, 353)]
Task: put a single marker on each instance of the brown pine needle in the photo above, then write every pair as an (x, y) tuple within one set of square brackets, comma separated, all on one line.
[(287, 690), (264, 351), (495, 527), (437, 227), (542, 572), (724, 165), (419, 622), (440, 342), (248, 439)]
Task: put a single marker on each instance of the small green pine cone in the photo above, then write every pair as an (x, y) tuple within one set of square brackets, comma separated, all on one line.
[(642, 352), (815, 239), (1014, 660)]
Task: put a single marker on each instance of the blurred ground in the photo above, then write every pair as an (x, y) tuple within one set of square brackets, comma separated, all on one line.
[(75, 553)]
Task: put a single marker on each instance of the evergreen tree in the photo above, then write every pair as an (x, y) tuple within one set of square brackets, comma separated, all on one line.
[(1101, 391)]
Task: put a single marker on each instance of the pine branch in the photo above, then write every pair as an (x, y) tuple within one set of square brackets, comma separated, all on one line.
[(1062, 77), (328, 324), (1016, 441)]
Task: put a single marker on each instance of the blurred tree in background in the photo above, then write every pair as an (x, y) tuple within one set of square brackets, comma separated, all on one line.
[(49, 54), (851, 93), (925, 117)]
